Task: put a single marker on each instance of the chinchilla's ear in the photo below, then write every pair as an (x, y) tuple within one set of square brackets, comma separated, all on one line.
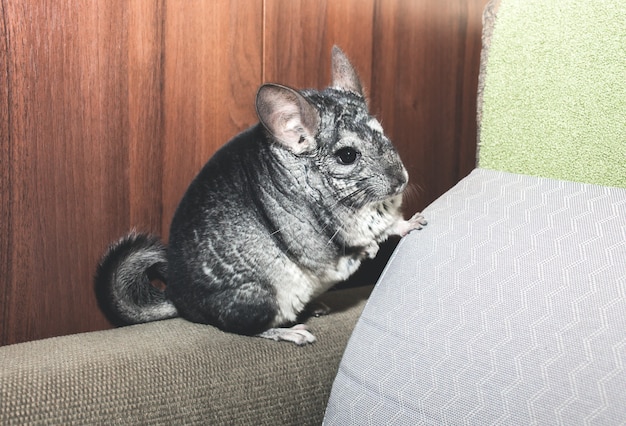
[(288, 116), (343, 74)]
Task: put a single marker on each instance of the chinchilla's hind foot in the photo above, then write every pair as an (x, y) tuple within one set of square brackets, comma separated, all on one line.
[(298, 334)]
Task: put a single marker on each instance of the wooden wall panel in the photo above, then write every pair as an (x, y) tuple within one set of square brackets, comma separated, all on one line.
[(66, 134), (83, 139), (145, 110), (6, 187), (211, 74), (299, 35), (466, 112), (108, 110), (424, 82)]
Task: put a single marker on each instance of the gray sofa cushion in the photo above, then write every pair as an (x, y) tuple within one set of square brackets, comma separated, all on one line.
[(508, 308)]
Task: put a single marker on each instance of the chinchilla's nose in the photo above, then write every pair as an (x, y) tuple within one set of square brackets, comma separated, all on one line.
[(400, 179)]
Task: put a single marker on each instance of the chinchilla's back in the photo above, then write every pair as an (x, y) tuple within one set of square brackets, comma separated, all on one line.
[(244, 222)]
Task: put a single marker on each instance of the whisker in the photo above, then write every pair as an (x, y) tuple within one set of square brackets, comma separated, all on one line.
[(355, 196), (411, 194), (333, 237)]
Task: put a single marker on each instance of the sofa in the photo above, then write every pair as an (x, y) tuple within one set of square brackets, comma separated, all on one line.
[(508, 308), (176, 372)]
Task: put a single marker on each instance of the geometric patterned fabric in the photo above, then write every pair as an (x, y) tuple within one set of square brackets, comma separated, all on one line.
[(508, 308)]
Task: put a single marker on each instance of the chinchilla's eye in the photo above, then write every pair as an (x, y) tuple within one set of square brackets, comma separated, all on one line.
[(347, 155)]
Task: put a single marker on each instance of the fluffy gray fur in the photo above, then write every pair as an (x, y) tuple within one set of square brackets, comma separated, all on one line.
[(277, 216)]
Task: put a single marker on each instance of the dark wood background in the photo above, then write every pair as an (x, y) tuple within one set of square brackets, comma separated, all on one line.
[(109, 108)]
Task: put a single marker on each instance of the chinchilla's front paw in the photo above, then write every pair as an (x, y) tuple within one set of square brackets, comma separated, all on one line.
[(417, 221), (403, 227)]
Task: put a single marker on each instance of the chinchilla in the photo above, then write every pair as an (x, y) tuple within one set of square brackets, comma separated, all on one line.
[(277, 216)]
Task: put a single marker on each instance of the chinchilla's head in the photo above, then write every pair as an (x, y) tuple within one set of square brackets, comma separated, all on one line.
[(347, 155)]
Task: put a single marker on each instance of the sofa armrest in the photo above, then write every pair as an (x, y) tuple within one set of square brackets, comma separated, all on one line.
[(175, 371)]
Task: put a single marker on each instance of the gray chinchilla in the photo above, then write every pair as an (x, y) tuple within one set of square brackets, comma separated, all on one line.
[(278, 215)]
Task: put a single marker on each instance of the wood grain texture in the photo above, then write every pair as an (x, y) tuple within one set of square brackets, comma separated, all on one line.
[(299, 35), (6, 188), (68, 116), (108, 110), (467, 149), (212, 72), (425, 71), (145, 110)]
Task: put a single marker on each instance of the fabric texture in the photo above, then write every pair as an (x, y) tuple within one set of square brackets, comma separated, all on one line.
[(490, 14), (554, 99), (508, 308), (176, 372)]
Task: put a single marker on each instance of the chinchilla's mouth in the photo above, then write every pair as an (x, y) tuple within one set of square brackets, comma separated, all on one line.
[(400, 188), (399, 181)]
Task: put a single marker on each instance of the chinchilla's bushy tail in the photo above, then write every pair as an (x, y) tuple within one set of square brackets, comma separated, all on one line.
[(124, 281)]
